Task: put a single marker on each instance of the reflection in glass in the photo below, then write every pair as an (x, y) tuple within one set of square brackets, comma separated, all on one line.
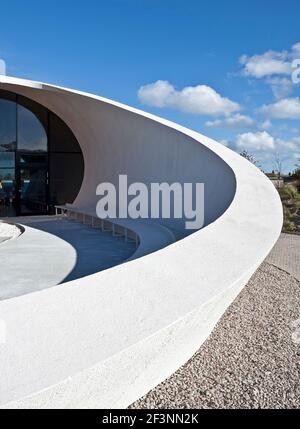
[(32, 158), (7, 192), (7, 159), (7, 125), (31, 133), (33, 190)]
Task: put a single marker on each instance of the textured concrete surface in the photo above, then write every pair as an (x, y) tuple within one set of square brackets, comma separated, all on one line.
[(252, 358), (286, 254), (54, 250)]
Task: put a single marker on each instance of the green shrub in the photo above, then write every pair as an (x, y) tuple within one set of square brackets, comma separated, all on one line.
[(296, 174), (289, 192), (288, 226), (291, 204)]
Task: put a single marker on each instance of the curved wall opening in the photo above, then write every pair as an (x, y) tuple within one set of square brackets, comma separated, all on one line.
[(41, 163)]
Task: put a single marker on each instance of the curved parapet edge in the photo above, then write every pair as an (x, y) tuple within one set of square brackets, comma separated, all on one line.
[(9, 231), (107, 339)]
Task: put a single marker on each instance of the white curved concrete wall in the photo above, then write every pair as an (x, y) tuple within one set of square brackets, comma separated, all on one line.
[(105, 340), (9, 231)]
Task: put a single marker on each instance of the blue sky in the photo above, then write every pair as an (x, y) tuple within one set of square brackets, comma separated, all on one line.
[(221, 68)]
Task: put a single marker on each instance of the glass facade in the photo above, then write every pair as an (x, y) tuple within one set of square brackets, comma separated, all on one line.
[(41, 164), (8, 137), (32, 135)]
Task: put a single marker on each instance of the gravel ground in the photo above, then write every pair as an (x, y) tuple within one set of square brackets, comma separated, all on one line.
[(252, 358)]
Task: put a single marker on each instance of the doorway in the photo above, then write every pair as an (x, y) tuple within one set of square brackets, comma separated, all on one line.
[(31, 184)]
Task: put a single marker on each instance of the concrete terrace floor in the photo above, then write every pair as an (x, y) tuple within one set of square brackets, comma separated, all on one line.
[(252, 358), (54, 250)]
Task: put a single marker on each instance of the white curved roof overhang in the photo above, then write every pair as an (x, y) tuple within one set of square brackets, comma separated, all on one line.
[(106, 339)]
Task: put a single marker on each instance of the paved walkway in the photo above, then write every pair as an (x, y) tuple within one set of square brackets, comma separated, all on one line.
[(252, 358), (54, 250), (286, 254)]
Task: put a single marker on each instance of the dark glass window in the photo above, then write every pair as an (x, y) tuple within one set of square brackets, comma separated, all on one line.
[(66, 175), (33, 195), (61, 137), (33, 158), (32, 135), (7, 192), (7, 160), (41, 163), (8, 125), (6, 174), (39, 111)]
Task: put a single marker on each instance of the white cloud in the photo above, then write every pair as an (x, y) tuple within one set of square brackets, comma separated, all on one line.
[(2, 67), (266, 125), (286, 145), (268, 64), (288, 108), (156, 94), (296, 50), (235, 121), (267, 145), (198, 100), (255, 141), (281, 87), (275, 68)]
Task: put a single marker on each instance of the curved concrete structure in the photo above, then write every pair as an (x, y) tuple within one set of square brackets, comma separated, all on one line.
[(106, 339), (9, 231), (53, 250)]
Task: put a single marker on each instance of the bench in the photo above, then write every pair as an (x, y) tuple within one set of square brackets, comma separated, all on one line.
[(147, 235)]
